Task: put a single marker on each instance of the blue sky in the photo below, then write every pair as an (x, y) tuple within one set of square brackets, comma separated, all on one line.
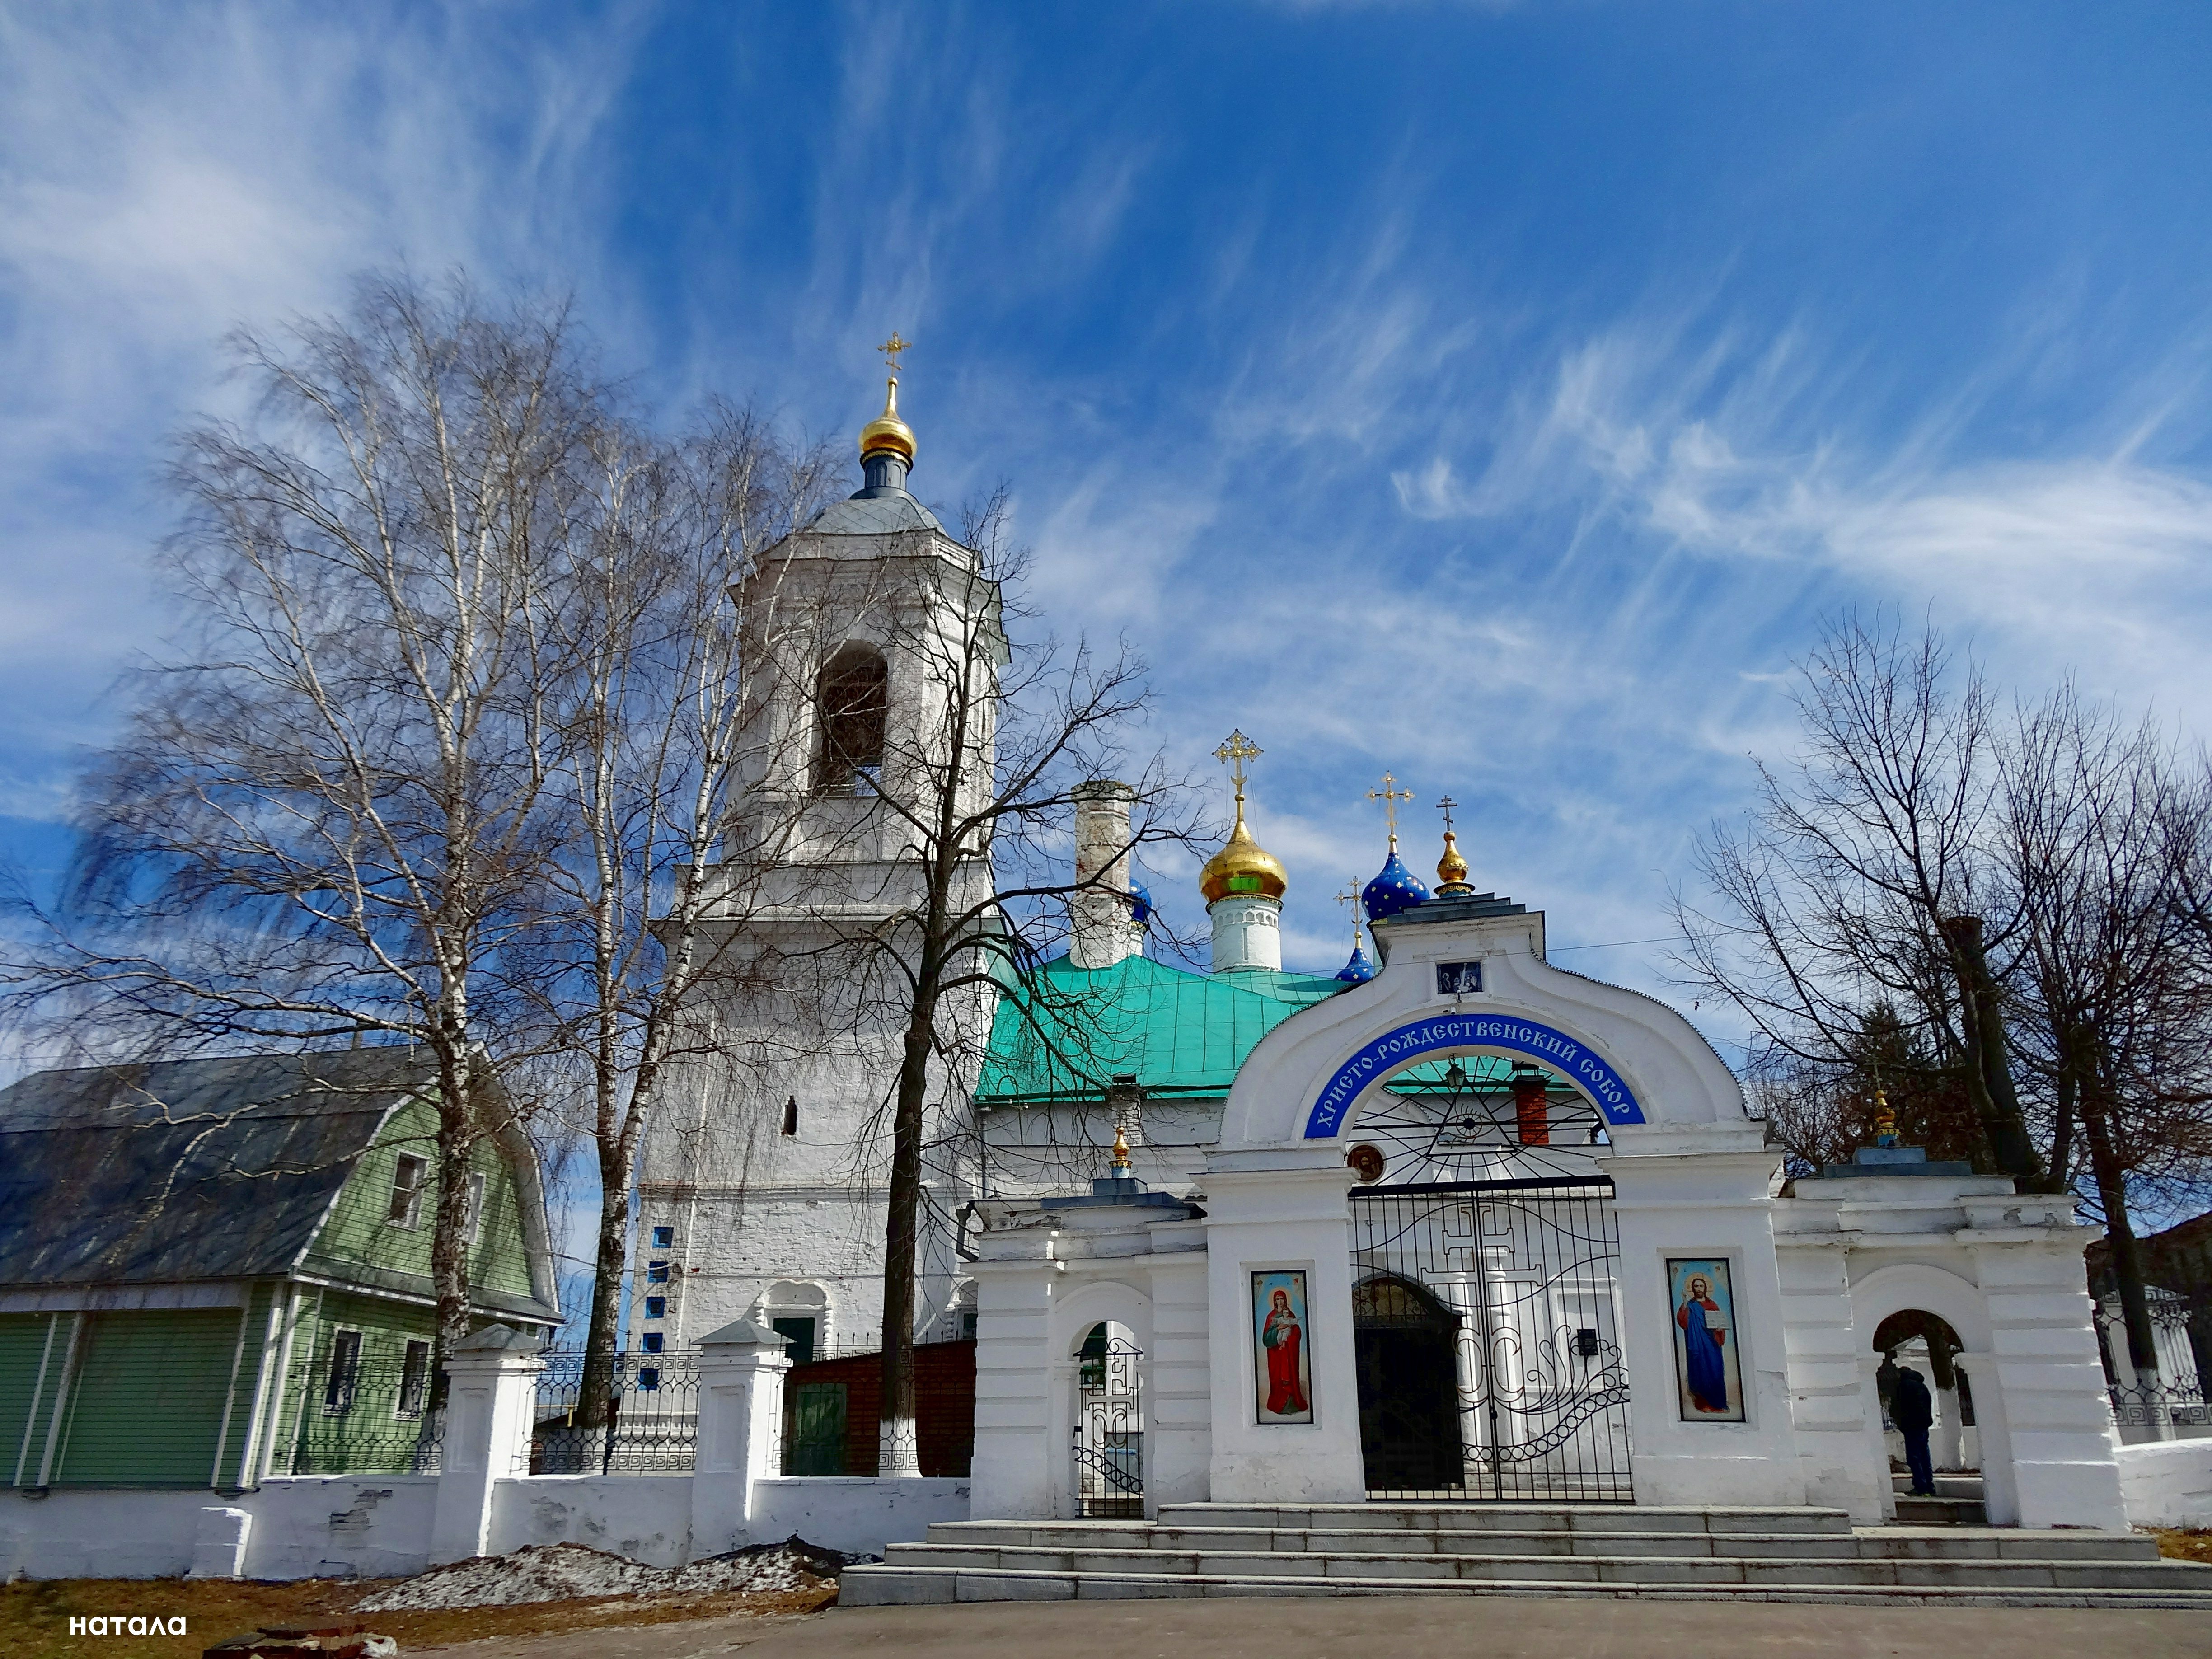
[(1497, 394)]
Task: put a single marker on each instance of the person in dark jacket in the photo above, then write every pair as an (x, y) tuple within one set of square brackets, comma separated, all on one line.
[(1912, 1408)]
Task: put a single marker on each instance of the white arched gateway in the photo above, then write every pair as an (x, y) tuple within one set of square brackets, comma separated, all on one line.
[(1482, 1228)]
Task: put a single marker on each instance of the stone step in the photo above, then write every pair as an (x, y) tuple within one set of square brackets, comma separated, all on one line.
[(1504, 1518), (1973, 1573), (1945, 1543), (874, 1586), (1940, 1512)]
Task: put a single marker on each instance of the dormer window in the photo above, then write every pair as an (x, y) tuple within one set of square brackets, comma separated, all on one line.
[(852, 699), (406, 1208)]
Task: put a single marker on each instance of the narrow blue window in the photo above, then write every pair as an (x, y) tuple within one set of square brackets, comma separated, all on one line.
[(648, 1377), (663, 1237), (657, 1271), (652, 1341), (656, 1307)]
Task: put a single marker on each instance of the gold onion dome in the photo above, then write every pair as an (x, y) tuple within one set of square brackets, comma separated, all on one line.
[(1451, 868), (887, 431), (1242, 867)]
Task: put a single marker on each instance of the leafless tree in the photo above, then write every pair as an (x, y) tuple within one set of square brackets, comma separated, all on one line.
[(980, 758), (323, 820), (1863, 876), (652, 759), (2110, 992)]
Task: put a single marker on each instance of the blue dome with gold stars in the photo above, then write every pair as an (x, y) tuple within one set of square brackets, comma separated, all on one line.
[(1394, 890), (1359, 971)]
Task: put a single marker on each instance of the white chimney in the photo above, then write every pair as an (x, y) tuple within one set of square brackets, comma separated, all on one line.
[(1098, 910)]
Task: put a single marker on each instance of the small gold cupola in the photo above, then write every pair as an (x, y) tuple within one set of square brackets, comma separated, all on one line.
[(887, 441), (887, 432), (1243, 866), (1451, 868)]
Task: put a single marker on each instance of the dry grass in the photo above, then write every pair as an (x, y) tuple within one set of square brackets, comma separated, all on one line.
[(2184, 1545), (35, 1616)]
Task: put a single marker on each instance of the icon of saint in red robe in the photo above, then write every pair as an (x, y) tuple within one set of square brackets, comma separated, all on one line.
[(1282, 1338)]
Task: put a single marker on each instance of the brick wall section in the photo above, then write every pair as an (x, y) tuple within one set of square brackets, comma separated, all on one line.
[(945, 1405)]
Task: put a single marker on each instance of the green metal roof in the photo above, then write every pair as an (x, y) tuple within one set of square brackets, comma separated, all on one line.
[(1069, 1031)]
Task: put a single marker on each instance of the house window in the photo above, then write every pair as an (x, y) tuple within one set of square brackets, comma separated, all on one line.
[(414, 1375), (663, 1237), (652, 1341), (345, 1368), (406, 1207), (656, 1307), (648, 1377), (791, 1115), (656, 1273), (852, 696), (474, 1229)]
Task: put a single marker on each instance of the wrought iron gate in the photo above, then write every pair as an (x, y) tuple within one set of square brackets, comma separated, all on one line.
[(1486, 1326), (1110, 1428)]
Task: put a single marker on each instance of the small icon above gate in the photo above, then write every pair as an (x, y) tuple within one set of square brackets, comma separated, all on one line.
[(1458, 979)]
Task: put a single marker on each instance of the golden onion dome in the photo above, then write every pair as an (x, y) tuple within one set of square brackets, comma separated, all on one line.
[(1451, 868), (887, 431), (1242, 867)]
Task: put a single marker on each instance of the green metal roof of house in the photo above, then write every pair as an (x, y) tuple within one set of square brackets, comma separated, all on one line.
[(1069, 1030)]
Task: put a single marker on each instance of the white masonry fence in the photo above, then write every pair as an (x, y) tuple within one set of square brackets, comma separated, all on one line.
[(690, 1468)]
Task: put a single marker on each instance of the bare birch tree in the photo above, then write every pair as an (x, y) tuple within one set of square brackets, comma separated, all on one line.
[(653, 754), (322, 822)]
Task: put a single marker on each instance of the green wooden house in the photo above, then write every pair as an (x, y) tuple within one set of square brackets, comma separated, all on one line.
[(216, 1270)]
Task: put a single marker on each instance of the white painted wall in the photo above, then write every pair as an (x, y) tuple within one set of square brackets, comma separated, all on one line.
[(2167, 1483), (646, 1517), (854, 1514), (374, 1526)]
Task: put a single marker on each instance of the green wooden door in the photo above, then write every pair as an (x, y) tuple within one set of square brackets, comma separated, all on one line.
[(817, 1430), (148, 1399)]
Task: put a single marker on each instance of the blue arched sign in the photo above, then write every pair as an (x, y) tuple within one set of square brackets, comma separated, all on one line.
[(1576, 1061)]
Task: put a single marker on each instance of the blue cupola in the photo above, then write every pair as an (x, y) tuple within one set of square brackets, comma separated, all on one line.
[(1394, 890), (1359, 970)]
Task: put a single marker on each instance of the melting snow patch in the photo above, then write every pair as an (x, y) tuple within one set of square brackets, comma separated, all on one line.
[(564, 1573)]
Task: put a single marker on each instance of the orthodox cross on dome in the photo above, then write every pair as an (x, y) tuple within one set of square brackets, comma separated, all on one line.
[(892, 349), (1350, 899), (1237, 748), (1390, 798), (1446, 806)]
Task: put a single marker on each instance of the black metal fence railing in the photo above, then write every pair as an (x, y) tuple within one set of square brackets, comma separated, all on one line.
[(2181, 1405), (361, 1419), (648, 1424)]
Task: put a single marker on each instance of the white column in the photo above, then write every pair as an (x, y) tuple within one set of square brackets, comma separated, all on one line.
[(1282, 1208), (1179, 1405), (1012, 1474), (490, 1398), (1098, 912), (2045, 1388), (1704, 1192), (1844, 1468), (741, 1369), (1947, 1444)]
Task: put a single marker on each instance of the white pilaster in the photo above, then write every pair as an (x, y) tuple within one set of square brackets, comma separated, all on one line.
[(1708, 1192), (741, 1371), (1282, 1208), (490, 1394)]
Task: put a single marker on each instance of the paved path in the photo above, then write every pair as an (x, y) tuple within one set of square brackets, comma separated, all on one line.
[(1360, 1627)]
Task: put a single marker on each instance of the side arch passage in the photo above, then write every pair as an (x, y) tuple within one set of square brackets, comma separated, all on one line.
[(1578, 1062)]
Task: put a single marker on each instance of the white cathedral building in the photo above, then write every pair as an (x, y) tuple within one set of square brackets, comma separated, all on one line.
[(1454, 1224)]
